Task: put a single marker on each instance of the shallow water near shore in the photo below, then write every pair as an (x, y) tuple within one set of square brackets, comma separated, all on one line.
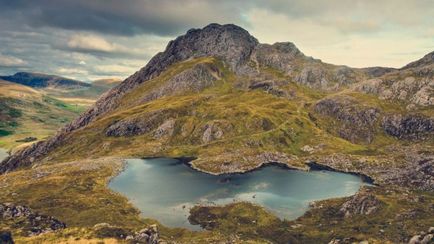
[(165, 189)]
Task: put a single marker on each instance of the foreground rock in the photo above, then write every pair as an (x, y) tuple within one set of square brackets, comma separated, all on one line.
[(423, 237), (149, 235), (31, 222)]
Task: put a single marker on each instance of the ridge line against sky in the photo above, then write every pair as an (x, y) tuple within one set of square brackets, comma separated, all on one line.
[(88, 40)]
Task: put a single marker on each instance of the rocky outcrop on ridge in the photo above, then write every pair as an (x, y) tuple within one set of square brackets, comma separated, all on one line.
[(195, 79), (412, 84), (409, 126), (357, 123)]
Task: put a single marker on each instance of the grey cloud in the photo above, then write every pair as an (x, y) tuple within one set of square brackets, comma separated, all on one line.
[(127, 17)]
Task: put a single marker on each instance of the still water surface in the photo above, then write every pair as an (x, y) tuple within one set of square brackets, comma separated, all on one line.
[(165, 189)]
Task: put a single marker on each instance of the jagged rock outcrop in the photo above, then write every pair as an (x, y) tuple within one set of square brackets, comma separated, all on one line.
[(363, 203), (195, 79), (357, 122), (412, 84), (409, 126), (139, 124), (288, 59), (31, 222)]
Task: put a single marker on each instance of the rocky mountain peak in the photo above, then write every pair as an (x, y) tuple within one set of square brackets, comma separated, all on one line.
[(228, 42), (426, 60)]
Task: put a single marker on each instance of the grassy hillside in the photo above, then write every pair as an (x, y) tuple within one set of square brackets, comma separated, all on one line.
[(26, 112)]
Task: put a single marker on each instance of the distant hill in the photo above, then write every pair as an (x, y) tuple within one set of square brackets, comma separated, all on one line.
[(27, 113), (38, 80), (34, 106)]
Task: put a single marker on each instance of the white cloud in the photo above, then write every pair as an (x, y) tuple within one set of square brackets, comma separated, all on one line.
[(88, 42), (114, 69), (72, 71), (10, 61)]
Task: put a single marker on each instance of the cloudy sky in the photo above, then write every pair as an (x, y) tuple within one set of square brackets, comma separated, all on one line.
[(91, 39)]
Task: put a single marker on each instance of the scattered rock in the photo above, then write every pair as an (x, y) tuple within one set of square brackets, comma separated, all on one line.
[(29, 221), (363, 203), (212, 132), (148, 235), (423, 238)]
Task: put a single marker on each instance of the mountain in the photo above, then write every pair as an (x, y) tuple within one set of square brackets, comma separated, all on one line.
[(219, 95), (38, 80), (226, 103)]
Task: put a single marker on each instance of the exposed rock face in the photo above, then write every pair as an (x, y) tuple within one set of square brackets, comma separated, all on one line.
[(414, 171), (195, 79), (280, 56), (357, 122), (212, 132), (287, 58), (413, 84), (33, 223), (270, 86), (139, 125), (409, 126), (363, 203), (426, 60), (165, 129)]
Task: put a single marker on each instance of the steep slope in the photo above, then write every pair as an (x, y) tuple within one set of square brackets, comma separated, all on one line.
[(218, 95), (26, 114)]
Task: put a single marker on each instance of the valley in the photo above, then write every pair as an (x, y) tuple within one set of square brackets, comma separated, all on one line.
[(35, 111)]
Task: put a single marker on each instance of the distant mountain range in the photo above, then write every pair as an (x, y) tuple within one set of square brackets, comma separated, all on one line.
[(38, 80)]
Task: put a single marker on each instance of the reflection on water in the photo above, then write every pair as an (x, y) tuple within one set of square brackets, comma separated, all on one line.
[(165, 190)]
